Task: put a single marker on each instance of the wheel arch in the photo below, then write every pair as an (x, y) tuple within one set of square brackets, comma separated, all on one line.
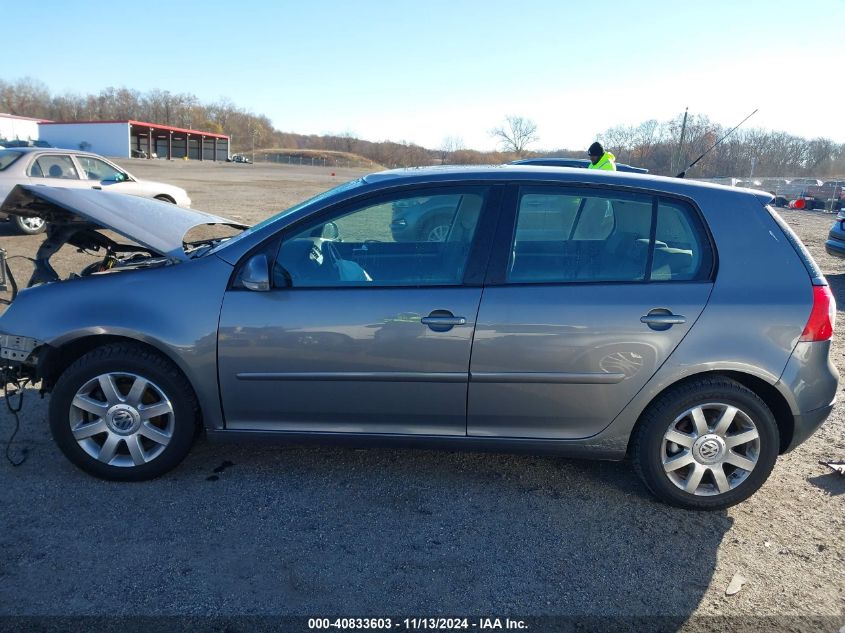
[(53, 360), (768, 393)]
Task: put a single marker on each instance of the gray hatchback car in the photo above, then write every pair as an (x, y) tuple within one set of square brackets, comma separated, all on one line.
[(590, 314)]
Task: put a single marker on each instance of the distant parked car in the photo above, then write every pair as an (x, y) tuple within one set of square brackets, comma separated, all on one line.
[(582, 163), (239, 158), (72, 169), (829, 193), (582, 313), (27, 143), (835, 244), (794, 189)]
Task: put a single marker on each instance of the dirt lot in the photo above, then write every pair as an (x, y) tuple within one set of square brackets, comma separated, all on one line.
[(320, 531)]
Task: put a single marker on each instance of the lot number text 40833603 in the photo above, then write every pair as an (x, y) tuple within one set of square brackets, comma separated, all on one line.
[(417, 624)]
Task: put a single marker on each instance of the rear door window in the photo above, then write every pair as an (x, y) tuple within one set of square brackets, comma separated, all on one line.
[(53, 166), (681, 250), (563, 235)]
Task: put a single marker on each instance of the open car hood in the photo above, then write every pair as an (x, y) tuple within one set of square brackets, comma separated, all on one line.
[(157, 226)]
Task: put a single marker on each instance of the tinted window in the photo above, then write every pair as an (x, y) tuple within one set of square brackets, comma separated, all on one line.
[(564, 237), (8, 157), (681, 250), (53, 167), (410, 240), (581, 236)]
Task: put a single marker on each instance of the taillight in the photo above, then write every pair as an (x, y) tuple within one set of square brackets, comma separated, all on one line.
[(822, 317)]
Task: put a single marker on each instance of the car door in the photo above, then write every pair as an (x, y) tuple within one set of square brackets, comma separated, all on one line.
[(55, 170), (366, 328), (100, 174), (589, 292)]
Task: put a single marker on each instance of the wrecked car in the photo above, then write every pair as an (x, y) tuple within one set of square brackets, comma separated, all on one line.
[(591, 314)]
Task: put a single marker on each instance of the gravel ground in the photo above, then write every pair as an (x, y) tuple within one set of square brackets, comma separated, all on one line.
[(332, 531)]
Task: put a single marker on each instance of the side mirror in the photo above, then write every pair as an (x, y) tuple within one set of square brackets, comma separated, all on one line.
[(330, 231), (256, 274), (327, 231)]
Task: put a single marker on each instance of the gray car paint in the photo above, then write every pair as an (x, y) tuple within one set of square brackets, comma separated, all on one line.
[(357, 360), (578, 335), (175, 309), (758, 307)]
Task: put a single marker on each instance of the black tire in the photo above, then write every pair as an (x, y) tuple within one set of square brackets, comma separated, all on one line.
[(27, 226), (648, 442), (163, 198), (126, 359), (780, 201)]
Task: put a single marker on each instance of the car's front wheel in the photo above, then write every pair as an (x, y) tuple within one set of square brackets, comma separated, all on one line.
[(30, 226), (706, 445), (123, 412)]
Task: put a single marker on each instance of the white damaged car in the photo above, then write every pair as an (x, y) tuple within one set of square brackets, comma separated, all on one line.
[(77, 170)]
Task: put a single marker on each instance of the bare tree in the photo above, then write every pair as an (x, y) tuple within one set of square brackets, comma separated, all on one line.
[(517, 133), (450, 145)]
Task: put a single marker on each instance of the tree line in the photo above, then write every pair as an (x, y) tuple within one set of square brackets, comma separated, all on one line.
[(746, 152), (650, 144)]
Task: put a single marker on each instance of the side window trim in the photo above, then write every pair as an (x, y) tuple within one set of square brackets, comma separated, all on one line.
[(652, 236)]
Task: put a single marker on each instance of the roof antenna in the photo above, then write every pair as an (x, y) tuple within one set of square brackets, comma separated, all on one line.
[(731, 131)]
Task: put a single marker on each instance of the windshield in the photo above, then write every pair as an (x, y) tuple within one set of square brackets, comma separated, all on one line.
[(352, 184), (7, 157)]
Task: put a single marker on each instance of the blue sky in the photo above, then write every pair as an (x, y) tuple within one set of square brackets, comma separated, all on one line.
[(420, 71)]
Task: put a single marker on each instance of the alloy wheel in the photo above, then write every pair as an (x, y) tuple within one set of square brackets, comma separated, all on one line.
[(122, 419), (33, 224), (710, 449)]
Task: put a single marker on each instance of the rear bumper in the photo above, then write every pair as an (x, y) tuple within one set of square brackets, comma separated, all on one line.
[(806, 424), (835, 248), (810, 381)]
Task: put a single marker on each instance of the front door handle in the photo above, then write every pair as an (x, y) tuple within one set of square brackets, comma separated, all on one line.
[(442, 320), (662, 319)]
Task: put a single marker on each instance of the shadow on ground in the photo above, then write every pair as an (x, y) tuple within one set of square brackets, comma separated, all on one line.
[(276, 530)]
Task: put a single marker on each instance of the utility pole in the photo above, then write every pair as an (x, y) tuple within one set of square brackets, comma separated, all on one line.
[(677, 163)]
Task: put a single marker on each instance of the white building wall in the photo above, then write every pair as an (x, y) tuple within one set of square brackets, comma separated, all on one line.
[(106, 139), (13, 128)]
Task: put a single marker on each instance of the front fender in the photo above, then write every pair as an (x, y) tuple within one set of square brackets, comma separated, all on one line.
[(174, 309)]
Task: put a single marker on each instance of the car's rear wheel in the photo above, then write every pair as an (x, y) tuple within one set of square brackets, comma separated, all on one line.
[(123, 412), (436, 229), (30, 226), (706, 445)]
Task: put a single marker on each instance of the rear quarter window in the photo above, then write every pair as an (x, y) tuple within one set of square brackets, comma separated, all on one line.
[(7, 157)]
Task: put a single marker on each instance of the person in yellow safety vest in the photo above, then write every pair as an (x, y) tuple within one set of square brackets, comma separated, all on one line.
[(600, 159)]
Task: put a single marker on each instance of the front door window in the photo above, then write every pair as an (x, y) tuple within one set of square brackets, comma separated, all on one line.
[(407, 240)]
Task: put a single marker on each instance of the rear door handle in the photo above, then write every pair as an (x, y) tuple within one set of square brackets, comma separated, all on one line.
[(442, 320), (663, 319)]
